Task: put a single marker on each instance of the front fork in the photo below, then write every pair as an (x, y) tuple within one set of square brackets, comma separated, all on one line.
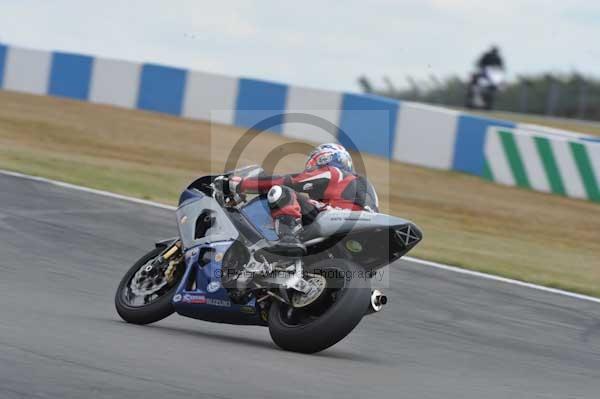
[(172, 256), (170, 251)]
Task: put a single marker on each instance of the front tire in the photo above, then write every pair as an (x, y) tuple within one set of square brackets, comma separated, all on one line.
[(146, 313), (311, 333)]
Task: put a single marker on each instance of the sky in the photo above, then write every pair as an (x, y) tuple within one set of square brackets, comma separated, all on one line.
[(315, 44)]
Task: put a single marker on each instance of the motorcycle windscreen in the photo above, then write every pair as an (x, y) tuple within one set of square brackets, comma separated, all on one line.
[(202, 221), (258, 213)]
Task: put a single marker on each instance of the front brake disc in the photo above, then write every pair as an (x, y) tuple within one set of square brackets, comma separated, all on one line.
[(145, 282)]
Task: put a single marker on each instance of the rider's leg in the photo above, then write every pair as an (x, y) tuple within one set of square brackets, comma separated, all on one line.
[(287, 216), (308, 209)]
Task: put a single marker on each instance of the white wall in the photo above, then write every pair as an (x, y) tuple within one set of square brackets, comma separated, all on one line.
[(425, 135), (27, 70), (115, 82), (320, 103), (210, 97)]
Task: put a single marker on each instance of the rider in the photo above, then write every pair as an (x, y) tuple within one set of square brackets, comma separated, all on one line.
[(328, 181), (491, 58)]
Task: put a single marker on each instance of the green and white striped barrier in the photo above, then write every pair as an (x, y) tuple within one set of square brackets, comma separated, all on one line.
[(556, 164)]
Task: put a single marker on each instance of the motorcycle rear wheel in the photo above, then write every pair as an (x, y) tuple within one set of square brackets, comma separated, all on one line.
[(317, 328)]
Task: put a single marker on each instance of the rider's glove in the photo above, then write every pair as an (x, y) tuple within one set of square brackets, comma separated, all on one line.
[(234, 184), (222, 184), (229, 186)]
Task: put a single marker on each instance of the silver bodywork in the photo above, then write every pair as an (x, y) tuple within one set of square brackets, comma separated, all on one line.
[(335, 222)]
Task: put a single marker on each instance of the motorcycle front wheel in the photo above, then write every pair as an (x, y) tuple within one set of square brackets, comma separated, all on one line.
[(326, 322), (144, 296)]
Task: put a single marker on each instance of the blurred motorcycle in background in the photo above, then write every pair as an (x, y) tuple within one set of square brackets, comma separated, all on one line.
[(484, 86)]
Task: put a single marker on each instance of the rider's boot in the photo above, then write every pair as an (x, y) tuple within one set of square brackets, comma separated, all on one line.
[(288, 245), (287, 215), (288, 229)]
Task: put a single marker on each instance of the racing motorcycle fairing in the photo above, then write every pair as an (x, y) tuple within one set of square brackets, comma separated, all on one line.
[(201, 295), (209, 231)]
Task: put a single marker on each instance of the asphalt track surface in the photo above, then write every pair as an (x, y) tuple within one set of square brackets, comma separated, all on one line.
[(443, 334)]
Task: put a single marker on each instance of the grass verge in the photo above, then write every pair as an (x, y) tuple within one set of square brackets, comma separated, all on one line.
[(590, 128)]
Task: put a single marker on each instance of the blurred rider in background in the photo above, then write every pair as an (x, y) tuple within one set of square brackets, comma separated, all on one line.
[(491, 58), (488, 79)]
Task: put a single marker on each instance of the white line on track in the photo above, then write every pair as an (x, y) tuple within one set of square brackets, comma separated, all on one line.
[(436, 265), (502, 279), (86, 189)]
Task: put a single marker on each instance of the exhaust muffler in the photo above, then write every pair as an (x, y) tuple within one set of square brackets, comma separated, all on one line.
[(378, 300)]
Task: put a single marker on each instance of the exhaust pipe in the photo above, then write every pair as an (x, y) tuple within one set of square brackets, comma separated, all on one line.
[(378, 299)]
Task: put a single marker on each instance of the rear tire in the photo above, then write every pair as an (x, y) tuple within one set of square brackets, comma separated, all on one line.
[(335, 323), (146, 314)]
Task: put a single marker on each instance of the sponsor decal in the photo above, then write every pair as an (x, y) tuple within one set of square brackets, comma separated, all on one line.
[(350, 219), (218, 302), (307, 187), (248, 309), (219, 257), (407, 235), (213, 286), (177, 298), (188, 298)]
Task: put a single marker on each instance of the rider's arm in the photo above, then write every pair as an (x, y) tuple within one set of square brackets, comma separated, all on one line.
[(316, 180), (302, 182), (262, 184)]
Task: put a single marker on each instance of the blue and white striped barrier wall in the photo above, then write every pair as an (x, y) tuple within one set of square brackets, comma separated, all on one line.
[(419, 134)]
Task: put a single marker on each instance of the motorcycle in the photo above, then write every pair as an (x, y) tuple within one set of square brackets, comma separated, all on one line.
[(484, 86), (224, 267)]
